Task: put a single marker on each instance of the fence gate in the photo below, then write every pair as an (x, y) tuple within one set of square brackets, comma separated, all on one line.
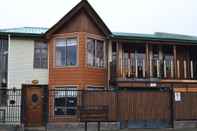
[(144, 109), (10, 106)]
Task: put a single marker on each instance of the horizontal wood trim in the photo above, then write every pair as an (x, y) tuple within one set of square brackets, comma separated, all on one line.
[(185, 90), (178, 81)]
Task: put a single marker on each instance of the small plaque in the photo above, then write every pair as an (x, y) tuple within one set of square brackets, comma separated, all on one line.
[(177, 96), (153, 84), (35, 82)]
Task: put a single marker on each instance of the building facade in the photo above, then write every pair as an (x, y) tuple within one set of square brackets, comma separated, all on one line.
[(80, 53)]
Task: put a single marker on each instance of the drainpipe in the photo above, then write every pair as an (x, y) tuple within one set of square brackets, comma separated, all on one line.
[(8, 59)]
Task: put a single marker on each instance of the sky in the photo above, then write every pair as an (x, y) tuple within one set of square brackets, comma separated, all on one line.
[(134, 16)]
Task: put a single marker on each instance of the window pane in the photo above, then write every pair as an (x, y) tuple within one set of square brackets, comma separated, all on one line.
[(99, 60), (60, 102), (40, 55), (168, 57), (71, 51), (65, 101), (60, 52), (90, 52)]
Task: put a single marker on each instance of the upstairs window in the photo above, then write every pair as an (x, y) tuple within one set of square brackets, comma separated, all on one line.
[(40, 55), (95, 53), (66, 52)]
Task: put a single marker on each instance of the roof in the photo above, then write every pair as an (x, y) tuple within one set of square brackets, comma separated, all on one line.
[(157, 36), (91, 12), (28, 30), (24, 32)]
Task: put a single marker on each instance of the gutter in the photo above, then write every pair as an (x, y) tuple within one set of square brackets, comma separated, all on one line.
[(22, 35), (133, 38)]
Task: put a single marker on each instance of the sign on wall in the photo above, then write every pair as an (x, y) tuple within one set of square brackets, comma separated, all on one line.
[(177, 96)]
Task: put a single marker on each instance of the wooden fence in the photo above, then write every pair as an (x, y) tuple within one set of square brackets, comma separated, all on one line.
[(140, 106), (186, 108), (134, 108)]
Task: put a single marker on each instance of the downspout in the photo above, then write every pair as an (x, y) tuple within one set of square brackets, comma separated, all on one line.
[(109, 60), (9, 39)]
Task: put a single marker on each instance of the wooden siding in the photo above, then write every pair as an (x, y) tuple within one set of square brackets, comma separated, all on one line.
[(78, 75), (81, 22), (81, 26)]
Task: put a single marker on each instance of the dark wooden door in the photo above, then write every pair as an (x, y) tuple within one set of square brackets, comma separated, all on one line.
[(34, 106)]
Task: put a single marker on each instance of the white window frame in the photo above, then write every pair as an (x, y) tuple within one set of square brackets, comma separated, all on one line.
[(95, 37), (37, 42), (54, 50)]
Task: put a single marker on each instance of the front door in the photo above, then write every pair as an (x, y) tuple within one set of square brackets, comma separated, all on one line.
[(34, 106)]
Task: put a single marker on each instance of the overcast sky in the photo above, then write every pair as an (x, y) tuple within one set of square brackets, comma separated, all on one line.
[(136, 16)]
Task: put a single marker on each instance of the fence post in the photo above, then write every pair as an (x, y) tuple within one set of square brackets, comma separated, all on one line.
[(86, 126), (172, 105), (46, 105), (99, 125), (117, 105)]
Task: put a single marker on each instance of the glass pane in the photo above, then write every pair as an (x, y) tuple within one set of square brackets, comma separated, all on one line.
[(155, 60), (90, 51), (168, 59), (71, 51), (60, 52), (65, 101), (40, 55), (99, 60)]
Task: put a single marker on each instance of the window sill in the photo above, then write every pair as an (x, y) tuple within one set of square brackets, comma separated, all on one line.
[(65, 116), (96, 68), (40, 68), (63, 67)]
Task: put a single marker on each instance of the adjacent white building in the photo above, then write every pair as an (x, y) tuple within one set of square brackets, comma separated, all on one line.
[(22, 49), (24, 58), (21, 64)]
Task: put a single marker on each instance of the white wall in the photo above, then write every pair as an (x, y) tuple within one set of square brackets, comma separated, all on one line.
[(20, 64)]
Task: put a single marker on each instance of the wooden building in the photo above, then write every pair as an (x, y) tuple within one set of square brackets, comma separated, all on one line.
[(83, 54)]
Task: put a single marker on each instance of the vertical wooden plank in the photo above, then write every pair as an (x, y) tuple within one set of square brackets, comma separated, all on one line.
[(117, 60), (109, 61), (175, 61), (147, 62)]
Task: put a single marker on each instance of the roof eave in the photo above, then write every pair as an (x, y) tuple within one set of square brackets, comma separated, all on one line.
[(72, 12), (132, 38), (22, 35)]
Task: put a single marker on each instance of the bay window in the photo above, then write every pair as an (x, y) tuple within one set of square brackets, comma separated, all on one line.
[(95, 53), (66, 52)]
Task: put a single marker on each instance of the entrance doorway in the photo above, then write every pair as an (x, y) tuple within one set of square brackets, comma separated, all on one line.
[(34, 105)]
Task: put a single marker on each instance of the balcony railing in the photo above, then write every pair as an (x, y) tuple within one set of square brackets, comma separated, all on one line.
[(161, 69)]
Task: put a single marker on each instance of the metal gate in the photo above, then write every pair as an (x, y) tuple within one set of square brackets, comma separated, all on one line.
[(10, 106)]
